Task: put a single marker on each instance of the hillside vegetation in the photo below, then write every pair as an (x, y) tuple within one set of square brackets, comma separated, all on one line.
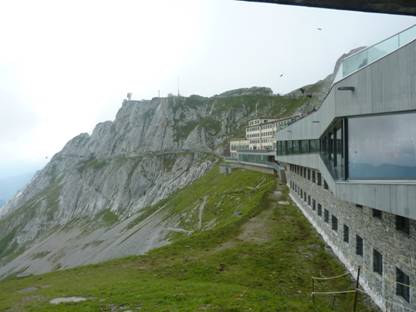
[(150, 150), (239, 249)]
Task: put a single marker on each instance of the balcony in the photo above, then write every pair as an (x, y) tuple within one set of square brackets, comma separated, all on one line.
[(371, 54)]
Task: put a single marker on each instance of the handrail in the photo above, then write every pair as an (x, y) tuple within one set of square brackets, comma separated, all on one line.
[(369, 55), (377, 43), (336, 79)]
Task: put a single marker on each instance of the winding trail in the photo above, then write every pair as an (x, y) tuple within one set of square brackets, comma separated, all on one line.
[(201, 211)]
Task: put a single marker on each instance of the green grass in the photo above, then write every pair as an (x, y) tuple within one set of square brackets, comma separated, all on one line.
[(107, 217), (198, 273)]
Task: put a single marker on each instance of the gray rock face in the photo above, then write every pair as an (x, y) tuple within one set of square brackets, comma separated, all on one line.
[(79, 208)]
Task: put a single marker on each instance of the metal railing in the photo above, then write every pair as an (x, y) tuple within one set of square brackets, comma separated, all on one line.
[(375, 52)]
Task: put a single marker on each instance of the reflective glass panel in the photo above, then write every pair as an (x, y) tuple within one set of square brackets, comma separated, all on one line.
[(382, 147)]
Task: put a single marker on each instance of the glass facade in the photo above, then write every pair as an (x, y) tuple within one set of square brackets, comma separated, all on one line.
[(297, 147), (331, 146), (256, 158), (373, 147), (382, 147), (334, 149)]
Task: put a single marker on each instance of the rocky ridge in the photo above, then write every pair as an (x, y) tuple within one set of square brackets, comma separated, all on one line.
[(79, 209)]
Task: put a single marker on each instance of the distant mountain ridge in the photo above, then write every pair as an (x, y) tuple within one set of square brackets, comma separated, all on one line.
[(80, 208)]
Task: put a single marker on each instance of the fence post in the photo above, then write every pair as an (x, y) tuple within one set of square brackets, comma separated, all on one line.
[(357, 284)]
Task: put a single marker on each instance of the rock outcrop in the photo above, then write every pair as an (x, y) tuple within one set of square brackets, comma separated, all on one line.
[(79, 208)]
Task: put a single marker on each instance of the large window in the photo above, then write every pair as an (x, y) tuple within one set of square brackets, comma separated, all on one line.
[(382, 147), (332, 148)]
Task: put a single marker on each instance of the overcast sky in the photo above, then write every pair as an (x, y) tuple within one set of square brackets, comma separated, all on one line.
[(66, 65)]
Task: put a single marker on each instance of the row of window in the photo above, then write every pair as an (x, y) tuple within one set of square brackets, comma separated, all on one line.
[(364, 147), (310, 174), (402, 279), (402, 224), (297, 147), (261, 134)]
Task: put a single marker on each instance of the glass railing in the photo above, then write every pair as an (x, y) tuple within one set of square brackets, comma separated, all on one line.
[(369, 55)]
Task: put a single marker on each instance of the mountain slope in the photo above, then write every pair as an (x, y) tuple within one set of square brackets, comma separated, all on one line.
[(100, 181), (250, 251)]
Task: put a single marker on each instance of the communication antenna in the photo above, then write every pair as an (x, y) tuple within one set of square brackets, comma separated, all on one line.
[(178, 88), (129, 96)]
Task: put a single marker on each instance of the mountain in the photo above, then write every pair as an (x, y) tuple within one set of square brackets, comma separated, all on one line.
[(96, 199), (244, 246)]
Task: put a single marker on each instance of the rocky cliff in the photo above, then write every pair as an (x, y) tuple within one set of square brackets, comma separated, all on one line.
[(80, 208)]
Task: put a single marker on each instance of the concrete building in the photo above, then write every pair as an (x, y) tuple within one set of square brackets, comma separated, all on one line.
[(261, 132), (351, 168), (238, 145)]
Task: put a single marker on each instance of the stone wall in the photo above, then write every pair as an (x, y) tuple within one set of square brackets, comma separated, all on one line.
[(397, 248)]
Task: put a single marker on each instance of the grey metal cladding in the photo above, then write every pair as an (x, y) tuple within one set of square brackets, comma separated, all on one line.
[(385, 86)]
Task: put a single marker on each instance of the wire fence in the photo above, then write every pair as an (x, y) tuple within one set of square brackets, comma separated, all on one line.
[(391, 304), (334, 293)]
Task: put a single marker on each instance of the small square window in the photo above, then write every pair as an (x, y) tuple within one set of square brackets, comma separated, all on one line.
[(326, 216), (319, 210), (377, 214), (402, 285), (359, 246), (377, 262), (403, 224), (346, 233), (334, 223)]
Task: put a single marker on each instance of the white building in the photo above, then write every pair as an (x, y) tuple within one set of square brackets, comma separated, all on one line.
[(261, 132), (238, 145)]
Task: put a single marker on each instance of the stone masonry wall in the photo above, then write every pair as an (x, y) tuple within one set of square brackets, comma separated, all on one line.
[(397, 248)]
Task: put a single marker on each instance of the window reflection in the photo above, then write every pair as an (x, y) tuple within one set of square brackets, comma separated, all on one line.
[(382, 147)]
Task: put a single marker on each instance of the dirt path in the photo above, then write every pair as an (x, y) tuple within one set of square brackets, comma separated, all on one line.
[(201, 211), (257, 230)]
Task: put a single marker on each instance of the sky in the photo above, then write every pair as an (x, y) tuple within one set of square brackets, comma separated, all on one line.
[(67, 65)]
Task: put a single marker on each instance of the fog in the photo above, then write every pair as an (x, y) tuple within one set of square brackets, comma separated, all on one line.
[(64, 66)]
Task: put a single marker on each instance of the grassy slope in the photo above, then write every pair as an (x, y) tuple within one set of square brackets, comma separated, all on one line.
[(214, 270)]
